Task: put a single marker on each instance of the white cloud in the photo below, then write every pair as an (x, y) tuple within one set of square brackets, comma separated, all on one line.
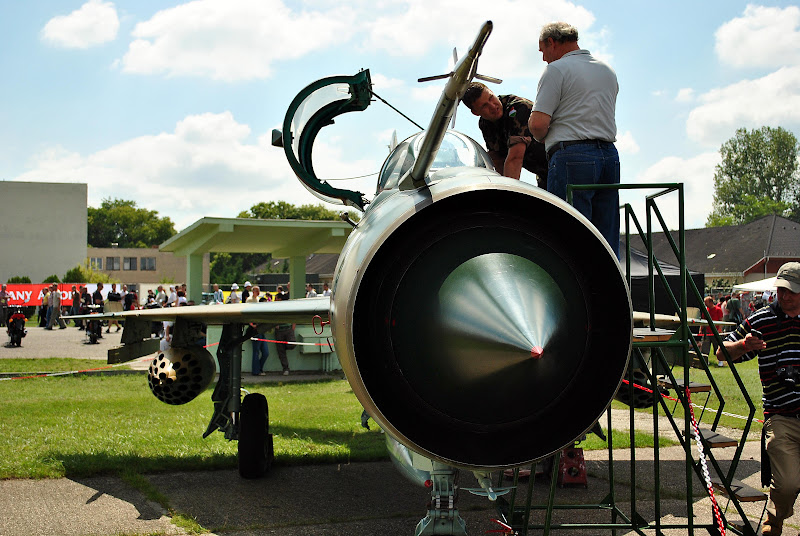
[(205, 167), (382, 82), (94, 23), (697, 175), (231, 41), (428, 93), (242, 40), (772, 100), (761, 37), (410, 28), (685, 95), (626, 144)]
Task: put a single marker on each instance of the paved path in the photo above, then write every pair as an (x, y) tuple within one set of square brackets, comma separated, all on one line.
[(70, 342), (354, 499)]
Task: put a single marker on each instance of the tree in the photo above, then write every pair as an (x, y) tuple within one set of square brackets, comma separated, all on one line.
[(74, 275), (84, 273), (122, 222), (19, 279), (281, 210), (758, 176), (226, 268)]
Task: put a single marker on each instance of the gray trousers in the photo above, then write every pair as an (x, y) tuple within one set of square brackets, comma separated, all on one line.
[(783, 446), (55, 316), (283, 335)]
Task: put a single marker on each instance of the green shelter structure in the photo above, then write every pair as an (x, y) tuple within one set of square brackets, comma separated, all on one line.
[(292, 239)]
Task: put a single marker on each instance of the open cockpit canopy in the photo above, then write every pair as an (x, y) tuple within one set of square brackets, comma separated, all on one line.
[(313, 108)]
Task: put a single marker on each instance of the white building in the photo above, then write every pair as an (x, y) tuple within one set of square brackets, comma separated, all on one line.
[(43, 228)]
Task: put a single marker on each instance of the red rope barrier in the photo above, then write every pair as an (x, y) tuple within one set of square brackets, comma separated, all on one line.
[(643, 388)]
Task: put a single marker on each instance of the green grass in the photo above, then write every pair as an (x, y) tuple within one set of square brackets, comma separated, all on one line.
[(52, 364), (84, 425), (734, 399), (622, 440), (88, 425)]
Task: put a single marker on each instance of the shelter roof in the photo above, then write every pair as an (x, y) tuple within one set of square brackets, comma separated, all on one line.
[(640, 267), (732, 248), (321, 263), (282, 238)]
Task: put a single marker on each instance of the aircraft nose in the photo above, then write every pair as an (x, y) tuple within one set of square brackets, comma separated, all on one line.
[(486, 315)]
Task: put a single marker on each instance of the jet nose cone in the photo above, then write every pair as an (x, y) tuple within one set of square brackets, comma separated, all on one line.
[(502, 300), (496, 314)]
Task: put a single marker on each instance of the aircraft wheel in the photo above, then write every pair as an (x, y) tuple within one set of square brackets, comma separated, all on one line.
[(255, 442)]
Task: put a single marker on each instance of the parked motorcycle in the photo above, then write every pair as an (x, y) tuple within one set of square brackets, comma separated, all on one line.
[(94, 327), (15, 324)]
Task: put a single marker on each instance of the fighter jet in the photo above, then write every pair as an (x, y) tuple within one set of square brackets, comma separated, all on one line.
[(482, 322)]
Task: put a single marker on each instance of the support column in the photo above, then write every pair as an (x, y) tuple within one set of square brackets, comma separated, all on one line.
[(194, 277), (297, 277)]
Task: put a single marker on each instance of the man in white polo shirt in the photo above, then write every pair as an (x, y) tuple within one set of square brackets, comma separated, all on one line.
[(574, 116)]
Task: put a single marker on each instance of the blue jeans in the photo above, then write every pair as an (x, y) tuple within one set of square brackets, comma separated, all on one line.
[(590, 163), (75, 310), (259, 347)]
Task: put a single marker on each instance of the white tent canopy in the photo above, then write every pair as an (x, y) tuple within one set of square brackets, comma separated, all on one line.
[(757, 286)]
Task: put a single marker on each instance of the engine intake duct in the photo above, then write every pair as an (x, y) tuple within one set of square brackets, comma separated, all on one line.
[(491, 328)]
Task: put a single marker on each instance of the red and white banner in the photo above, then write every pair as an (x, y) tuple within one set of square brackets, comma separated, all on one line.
[(31, 294)]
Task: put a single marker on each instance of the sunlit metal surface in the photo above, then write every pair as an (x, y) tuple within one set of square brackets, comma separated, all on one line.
[(299, 311), (457, 151), (402, 460), (468, 317)]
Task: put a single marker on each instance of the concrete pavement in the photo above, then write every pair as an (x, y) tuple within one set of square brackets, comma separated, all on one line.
[(69, 342), (345, 499)]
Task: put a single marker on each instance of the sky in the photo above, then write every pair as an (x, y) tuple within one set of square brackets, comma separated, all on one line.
[(171, 104)]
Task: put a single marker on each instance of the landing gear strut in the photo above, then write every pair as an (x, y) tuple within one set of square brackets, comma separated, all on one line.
[(246, 421)]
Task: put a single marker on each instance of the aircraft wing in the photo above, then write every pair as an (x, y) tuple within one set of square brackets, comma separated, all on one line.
[(299, 311)]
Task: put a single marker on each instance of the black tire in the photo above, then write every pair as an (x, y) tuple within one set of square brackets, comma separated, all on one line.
[(256, 451)]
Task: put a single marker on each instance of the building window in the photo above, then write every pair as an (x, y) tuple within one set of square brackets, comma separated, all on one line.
[(148, 263), (129, 263), (96, 263), (112, 263)]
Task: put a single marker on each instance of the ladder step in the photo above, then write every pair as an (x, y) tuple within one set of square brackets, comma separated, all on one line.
[(742, 491), (715, 440), (694, 387), (739, 524), (696, 362)]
